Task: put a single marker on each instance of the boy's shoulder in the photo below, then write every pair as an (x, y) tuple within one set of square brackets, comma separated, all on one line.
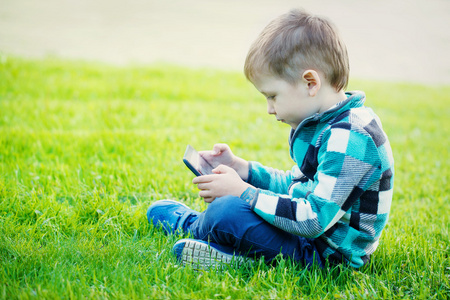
[(354, 115), (345, 118)]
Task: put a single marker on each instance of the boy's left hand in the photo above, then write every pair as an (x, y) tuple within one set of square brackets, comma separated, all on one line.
[(225, 181)]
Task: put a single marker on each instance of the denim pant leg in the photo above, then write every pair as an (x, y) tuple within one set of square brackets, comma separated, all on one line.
[(229, 221)]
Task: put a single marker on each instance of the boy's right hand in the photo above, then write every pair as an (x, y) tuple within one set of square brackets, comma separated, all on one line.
[(222, 155)]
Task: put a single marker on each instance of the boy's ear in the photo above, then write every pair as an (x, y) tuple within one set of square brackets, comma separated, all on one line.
[(312, 80)]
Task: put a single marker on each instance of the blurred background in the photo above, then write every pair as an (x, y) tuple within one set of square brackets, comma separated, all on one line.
[(395, 40)]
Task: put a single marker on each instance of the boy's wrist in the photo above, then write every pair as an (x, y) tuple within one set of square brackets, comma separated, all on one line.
[(241, 166)]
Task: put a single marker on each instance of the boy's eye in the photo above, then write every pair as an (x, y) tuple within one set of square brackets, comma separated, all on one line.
[(270, 97)]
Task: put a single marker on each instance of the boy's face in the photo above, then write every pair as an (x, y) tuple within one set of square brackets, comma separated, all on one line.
[(290, 103)]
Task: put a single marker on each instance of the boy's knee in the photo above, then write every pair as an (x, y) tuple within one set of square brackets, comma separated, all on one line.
[(226, 210), (225, 203)]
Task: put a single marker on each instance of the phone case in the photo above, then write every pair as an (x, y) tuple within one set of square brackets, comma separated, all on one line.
[(191, 167)]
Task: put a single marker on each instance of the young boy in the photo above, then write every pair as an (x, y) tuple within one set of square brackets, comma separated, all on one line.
[(334, 203)]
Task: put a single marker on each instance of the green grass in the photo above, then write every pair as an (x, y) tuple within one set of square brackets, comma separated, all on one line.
[(85, 148)]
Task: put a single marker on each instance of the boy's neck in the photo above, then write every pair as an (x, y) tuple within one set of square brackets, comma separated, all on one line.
[(330, 97)]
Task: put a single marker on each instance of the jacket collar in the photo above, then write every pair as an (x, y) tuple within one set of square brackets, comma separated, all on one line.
[(354, 99)]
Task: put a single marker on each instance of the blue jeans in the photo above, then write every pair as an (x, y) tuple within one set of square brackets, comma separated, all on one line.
[(229, 221)]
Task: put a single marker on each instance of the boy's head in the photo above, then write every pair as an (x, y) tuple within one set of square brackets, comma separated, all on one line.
[(295, 42)]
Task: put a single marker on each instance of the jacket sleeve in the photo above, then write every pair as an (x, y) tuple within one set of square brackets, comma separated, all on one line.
[(270, 179), (348, 164)]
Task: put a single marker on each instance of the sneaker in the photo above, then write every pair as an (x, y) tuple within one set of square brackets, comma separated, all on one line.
[(203, 255), (173, 216)]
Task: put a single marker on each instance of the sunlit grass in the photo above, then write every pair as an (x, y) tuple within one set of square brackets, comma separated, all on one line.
[(85, 149)]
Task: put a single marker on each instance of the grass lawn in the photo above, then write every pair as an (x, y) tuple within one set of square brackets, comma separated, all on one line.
[(85, 148)]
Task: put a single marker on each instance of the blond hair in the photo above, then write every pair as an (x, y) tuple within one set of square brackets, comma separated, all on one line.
[(297, 41)]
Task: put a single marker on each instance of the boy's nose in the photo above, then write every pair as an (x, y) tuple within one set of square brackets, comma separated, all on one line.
[(270, 109)]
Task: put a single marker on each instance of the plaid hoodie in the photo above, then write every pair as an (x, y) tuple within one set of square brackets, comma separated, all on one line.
[(340, 190)]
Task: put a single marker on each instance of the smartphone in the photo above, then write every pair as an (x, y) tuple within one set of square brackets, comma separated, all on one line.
[(196, 163)]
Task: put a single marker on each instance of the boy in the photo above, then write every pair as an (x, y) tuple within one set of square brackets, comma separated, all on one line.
[(334, 203)]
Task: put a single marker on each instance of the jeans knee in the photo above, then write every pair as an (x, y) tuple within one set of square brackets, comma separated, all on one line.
[(224, 203), (226, 211)]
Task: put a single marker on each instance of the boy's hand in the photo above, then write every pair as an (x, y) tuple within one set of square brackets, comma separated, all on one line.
[(222, 155), (224, 181)]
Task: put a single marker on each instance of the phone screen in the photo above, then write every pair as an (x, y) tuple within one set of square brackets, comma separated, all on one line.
[(196, 163)]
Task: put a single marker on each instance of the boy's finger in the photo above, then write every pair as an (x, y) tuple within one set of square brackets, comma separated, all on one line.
[(219, 148), (206, 153), (221, 169), (203, 179), (205, 194), (208, 200), (202, 186)]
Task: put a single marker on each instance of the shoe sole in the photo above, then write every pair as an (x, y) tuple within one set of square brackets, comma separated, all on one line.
[(202, 256)]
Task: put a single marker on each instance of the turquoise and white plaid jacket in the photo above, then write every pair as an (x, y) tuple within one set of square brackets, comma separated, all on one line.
[(340, 190)]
